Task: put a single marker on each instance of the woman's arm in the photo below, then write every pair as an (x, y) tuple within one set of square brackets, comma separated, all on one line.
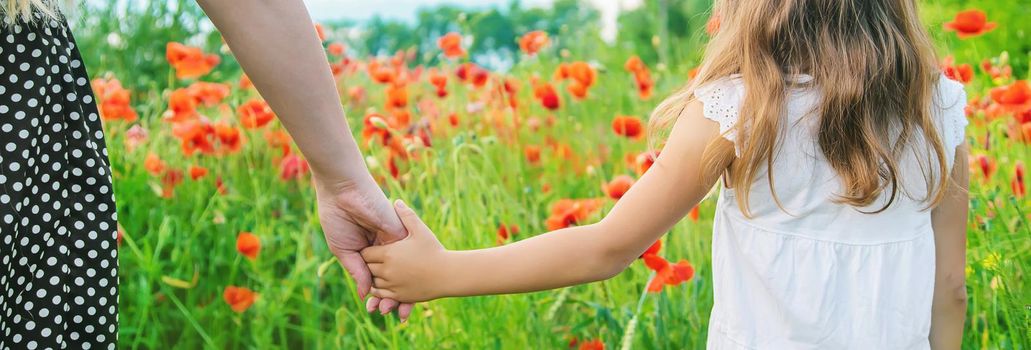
[(949, 220), (276, 45), (419, 268)]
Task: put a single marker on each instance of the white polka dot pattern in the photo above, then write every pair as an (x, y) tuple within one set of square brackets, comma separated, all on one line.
[(58, 255)]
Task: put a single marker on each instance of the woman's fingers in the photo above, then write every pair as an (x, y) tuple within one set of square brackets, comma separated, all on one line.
[(387, 305), (404, 311), (372, 304)]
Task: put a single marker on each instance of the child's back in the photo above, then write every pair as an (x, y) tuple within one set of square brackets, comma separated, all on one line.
[(806, 270), (841, 223)]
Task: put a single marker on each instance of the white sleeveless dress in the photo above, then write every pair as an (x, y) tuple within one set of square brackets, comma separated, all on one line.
[(822, 275)]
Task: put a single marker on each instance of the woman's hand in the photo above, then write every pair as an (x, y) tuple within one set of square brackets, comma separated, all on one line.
[(413, 269), (276, 45), (355, 216)]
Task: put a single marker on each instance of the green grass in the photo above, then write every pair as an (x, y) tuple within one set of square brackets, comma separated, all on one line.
[(472, 178)]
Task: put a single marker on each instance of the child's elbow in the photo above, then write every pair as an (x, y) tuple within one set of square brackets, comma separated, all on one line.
[(953, 288), (608, 265)]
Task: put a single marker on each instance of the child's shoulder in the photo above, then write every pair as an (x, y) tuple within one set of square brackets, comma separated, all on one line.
[(949, 93), (727, 84)]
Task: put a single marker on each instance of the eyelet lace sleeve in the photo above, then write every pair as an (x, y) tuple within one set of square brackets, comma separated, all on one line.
[(721, 100), (950, 107), (953, 113)]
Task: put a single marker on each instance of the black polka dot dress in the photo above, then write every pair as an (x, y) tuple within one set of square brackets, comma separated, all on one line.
[(58, 257)]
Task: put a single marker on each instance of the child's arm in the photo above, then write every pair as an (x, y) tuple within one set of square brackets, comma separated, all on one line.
[(949, 221), (419, 268)]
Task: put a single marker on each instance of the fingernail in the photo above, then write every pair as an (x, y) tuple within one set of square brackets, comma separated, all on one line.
[(401, 204), (403, 320), (368, 306)]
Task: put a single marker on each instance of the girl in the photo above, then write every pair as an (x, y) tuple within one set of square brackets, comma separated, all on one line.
[(842, 212), (58, 256)]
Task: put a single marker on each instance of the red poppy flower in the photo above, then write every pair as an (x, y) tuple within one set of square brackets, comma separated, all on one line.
[(644, 161), (113, 100), (452, 119), (616, 188), (561, 72), (634, 64), (533, 42), (997, 72), (222, 189), (985, 164), (667, 274), (583, 73), (568, 212), (462, 72), (239, 298), (382, 75), (336, 49), (208, 94), (592, 345), (279, 139), (479, 76), (197, 172), (628, 126), (189, 62), (255, 113), (962, 73), (653, 249), (397, 96), (245, 82), (120, 234), (154, 165), (1015, 97), (437, 78), (579, 91), (248, 244), (1018, 185), (533, 154), (642, 77), (970, 23), (645, 84), (451, 44), (169, 181), (195, 135), (546, 94), (182, 106), (293, 167), (229, 137), (506, 231), (511, 85)]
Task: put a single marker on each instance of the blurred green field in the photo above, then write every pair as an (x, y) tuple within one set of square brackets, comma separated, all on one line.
[(179, 250)]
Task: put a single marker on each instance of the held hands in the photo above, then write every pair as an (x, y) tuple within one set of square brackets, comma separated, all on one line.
[(413, 269), (355, 216)]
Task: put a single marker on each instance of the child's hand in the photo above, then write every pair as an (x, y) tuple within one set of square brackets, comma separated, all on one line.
[(411, 269)]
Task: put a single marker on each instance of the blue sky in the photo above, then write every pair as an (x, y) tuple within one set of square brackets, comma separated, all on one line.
[(394, 9), (322, 10)]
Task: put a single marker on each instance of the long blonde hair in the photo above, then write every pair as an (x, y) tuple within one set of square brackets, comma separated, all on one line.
[(23, 10), (874, 66)]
